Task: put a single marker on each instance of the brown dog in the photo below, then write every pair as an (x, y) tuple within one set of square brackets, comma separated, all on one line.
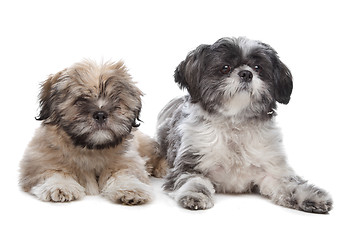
[(88, 142)]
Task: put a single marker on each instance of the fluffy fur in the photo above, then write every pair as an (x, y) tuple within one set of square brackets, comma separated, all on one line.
[(222, 137), (88, 142)]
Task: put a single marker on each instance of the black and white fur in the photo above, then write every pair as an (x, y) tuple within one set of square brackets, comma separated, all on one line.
[(222, 137)]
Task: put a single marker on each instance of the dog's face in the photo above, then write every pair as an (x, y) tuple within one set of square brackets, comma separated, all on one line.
[(96, 105), (235, 76)]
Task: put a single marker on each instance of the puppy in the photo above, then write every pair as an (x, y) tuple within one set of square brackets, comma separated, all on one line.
[(88, 142), (222, 137)]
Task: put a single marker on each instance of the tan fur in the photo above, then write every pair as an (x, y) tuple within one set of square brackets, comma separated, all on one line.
[(156, 163), (55, 168)]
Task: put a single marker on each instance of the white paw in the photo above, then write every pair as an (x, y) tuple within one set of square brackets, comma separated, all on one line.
[(132, 197), (58, 188), (305, 197), (317, 202), (195, 194), (196, 201), (126, 190)]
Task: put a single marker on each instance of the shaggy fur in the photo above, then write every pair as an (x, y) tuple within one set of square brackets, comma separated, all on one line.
[(222, 137), (88, 142)]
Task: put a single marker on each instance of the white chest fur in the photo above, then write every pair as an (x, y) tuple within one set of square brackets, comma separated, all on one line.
[(233, 154)]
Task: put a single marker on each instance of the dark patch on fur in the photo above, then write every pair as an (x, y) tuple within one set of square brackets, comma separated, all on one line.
[(254, 188), (82, 140)]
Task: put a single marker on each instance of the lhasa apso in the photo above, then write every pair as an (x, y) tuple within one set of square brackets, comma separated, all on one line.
[(88, 142), (222, 137)]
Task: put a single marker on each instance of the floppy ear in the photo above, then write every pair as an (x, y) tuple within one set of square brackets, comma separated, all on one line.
[(282, 76), (47, 98), (188, 73), (179, 75), (283, 82)]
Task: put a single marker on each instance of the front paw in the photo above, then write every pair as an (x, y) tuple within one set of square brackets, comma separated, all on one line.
[(59, 189), (320, 203), (311, 199), (126, 190), (64, 194), (132, 197), (195, 194), (196, 201)]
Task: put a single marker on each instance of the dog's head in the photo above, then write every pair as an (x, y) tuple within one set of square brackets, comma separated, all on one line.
[(235, 76), (95, 104)]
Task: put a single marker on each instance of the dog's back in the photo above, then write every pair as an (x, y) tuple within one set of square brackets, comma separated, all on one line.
[(170, 109)]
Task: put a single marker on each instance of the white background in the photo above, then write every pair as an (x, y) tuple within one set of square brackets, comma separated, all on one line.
[(317, 40)]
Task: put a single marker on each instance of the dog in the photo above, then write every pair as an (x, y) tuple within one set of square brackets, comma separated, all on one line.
[(88, 142), (222, 136)]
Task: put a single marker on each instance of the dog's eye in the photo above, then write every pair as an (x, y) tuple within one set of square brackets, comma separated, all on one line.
[(225, 69), (257, 68), (80, 101)]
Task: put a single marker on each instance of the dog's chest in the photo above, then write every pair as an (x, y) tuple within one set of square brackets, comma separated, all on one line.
[(232, 155)]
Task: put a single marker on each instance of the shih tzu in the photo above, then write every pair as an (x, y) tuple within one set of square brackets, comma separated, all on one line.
[(222, 136), (88, 142)]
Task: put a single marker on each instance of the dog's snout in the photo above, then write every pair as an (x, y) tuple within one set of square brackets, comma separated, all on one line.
[(100, 116), (245, 75)]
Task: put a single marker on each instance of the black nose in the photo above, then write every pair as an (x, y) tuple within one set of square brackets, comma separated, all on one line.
[(245, 75), (100, 116)]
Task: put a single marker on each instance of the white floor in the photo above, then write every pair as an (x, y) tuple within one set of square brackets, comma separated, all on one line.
[(232, 217)]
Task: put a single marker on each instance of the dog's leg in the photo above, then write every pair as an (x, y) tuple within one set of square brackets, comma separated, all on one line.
[(193, 191), (58, 187), (293, 192), (149, 149), (125, 187)]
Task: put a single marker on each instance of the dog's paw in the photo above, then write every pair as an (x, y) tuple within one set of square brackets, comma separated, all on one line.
[(65, 194), (59, 189), (296, 193), (196, 201), (309, 198), (195, 194), (319, 203), (160, 169), (126, 190), (132, 197)]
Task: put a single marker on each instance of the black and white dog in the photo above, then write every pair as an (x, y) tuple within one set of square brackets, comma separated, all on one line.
[(222, 137)]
